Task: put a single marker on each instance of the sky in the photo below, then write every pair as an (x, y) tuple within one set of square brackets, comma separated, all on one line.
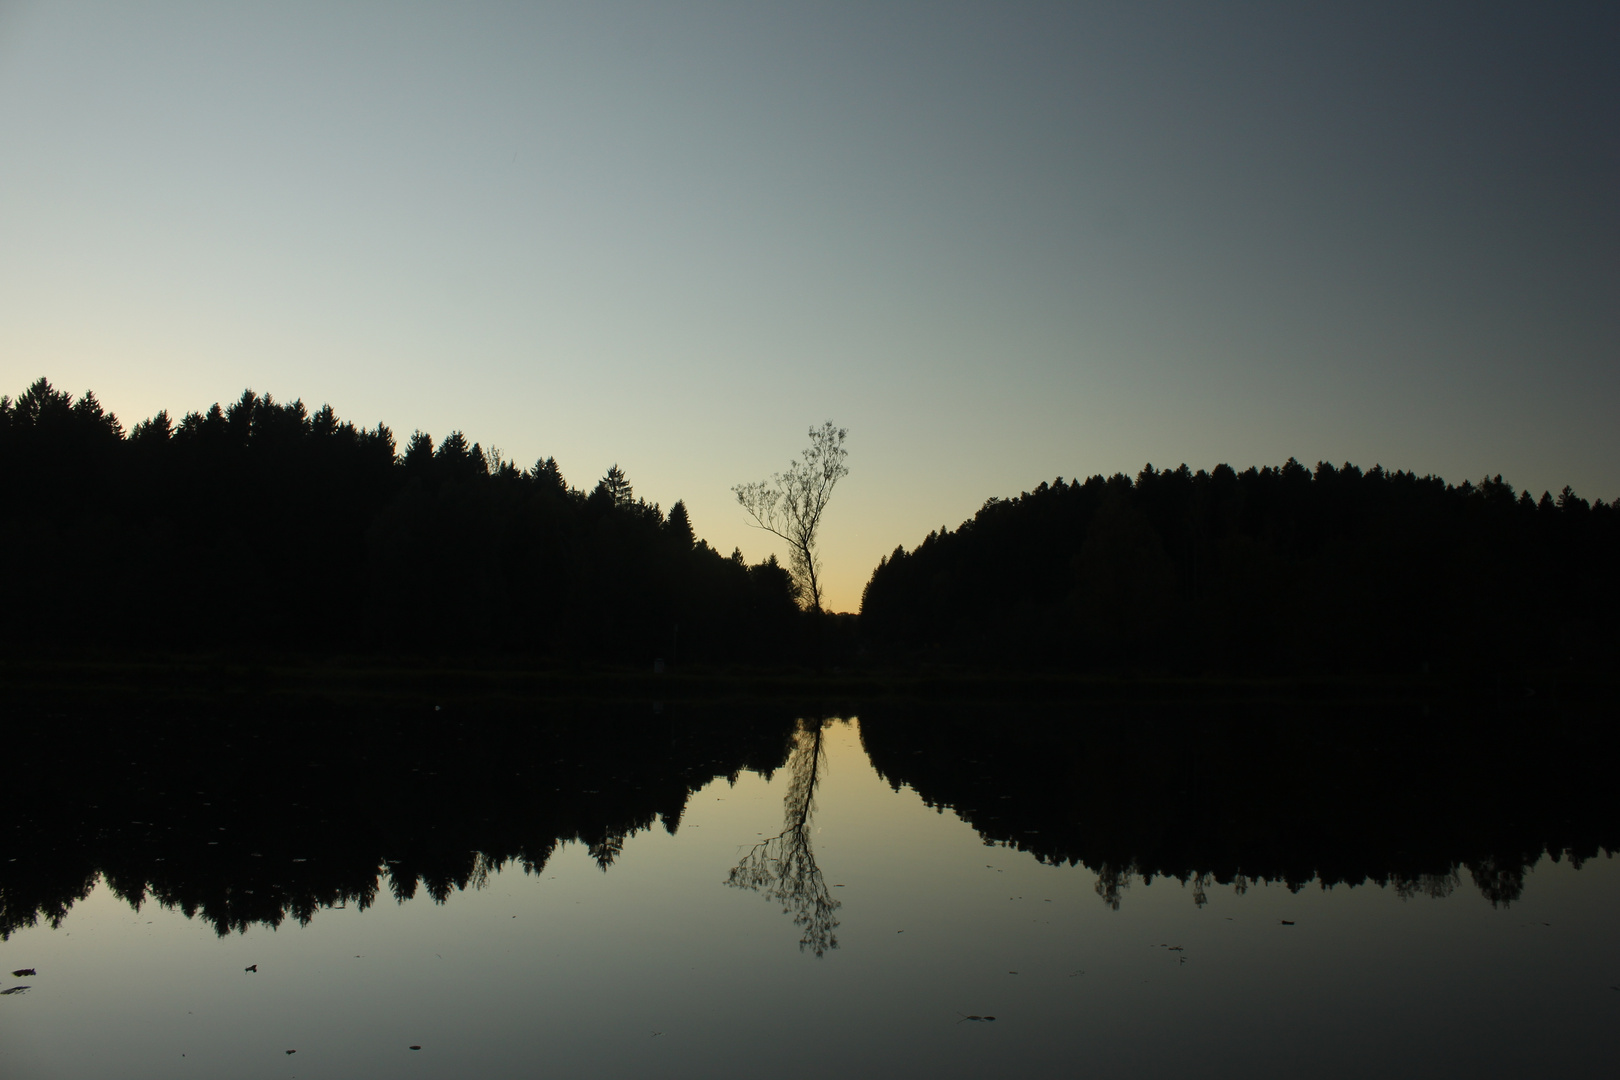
[(998, 242)]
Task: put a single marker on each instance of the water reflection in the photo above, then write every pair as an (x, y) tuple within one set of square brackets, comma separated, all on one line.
[(1232, 796), (259, 819), (783, 868), (274, 818)]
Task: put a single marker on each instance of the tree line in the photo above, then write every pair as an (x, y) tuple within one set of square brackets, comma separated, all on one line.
[(263, 525), (1277, 569)]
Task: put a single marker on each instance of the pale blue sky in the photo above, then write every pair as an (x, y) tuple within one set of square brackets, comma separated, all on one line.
[(998, 242)]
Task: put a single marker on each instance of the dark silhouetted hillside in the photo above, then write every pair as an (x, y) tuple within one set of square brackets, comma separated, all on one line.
[(1269, 570), (262, 526)]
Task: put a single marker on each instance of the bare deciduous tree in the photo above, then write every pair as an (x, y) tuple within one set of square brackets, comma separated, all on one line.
[(790, 504)]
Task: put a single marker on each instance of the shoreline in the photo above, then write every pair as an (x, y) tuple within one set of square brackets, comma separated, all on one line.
[(389, 682)]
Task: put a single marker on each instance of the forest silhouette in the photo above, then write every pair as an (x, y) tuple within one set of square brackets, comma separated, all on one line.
[(1267, 571), (261, 527)]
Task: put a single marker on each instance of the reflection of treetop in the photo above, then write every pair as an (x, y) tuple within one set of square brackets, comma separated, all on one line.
[(784, 868)]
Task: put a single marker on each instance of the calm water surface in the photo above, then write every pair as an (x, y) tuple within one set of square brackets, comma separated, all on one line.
[(789, 910)]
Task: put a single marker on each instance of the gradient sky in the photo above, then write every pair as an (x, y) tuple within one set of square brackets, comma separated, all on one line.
[(999, 242)]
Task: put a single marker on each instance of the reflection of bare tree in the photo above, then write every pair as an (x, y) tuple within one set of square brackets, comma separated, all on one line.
[(784, 868)]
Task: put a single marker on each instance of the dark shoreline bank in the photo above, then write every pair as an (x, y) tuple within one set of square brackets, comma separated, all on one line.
[(68, 683)]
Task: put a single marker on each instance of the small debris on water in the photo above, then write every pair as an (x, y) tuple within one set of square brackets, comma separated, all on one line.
[(292, 1051), (1288, 922), (23, 973), (414, 1047), (13, 990), (976, 1019), (251, 967)]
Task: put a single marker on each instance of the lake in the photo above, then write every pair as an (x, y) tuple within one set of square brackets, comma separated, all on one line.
[(904, 891)]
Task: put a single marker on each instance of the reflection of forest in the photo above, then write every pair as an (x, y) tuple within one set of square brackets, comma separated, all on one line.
[(1231, 795), (265, 817), (276, 814), (783, 868)]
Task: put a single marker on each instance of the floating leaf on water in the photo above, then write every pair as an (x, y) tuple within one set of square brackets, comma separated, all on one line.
[(23, 973)]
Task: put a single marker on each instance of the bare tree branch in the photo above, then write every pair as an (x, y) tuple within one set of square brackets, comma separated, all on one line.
[(790, 504)]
